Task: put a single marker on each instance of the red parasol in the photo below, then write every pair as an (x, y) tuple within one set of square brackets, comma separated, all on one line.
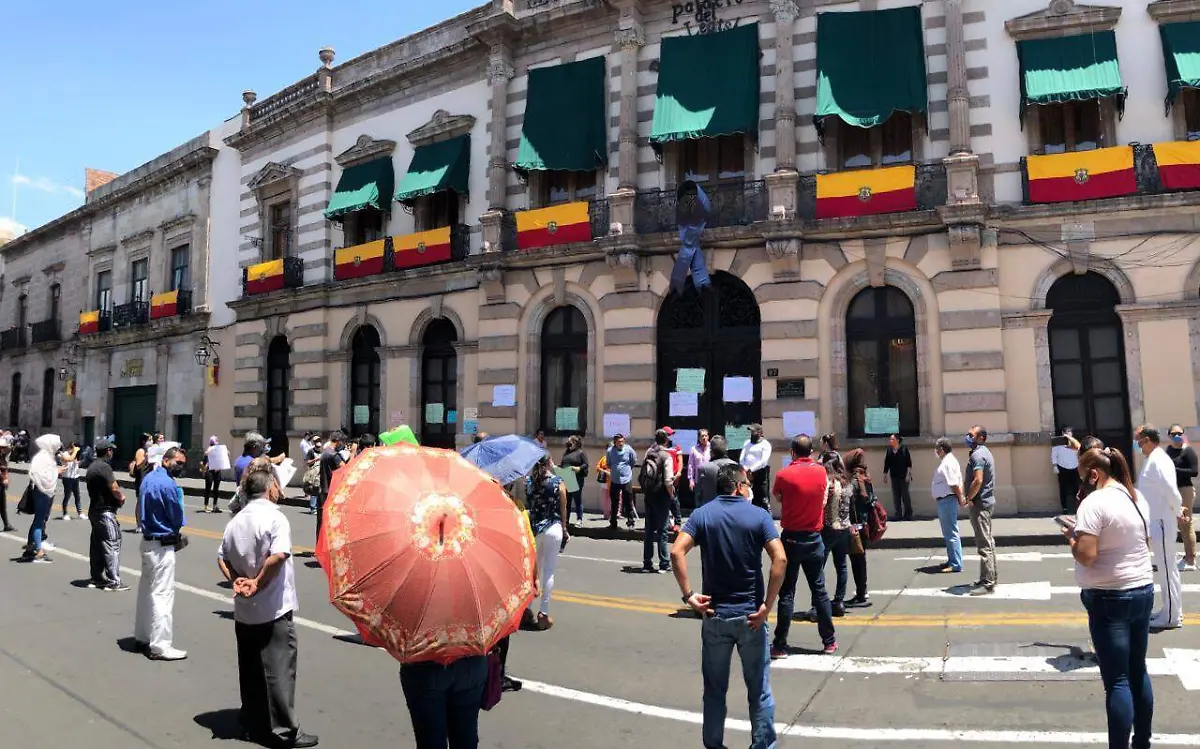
[(425, 553)]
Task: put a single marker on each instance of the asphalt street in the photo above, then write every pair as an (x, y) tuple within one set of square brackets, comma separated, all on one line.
[(924, 666)]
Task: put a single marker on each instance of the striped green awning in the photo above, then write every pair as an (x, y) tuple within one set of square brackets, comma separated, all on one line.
[(1181, 52), (435, 167), (566, 118), (1070, 68), (366, 185)]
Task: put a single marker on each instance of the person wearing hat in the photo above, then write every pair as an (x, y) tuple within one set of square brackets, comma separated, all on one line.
[(105, 499)]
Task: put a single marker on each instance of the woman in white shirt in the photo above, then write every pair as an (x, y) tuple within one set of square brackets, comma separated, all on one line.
[(215, 463), (69, 458), (1110, 543)]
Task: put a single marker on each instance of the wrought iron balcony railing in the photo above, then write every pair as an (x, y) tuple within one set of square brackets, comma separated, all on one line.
[(12, 339), (600, 214), (293, 275), (929, 186), (46, 331), (733, 204), (1145, 172), (131, 314)]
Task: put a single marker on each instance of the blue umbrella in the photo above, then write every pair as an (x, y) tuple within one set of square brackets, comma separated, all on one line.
[(507, 457)]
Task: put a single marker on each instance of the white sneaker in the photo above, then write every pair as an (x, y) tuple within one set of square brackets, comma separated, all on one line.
[(83, 516), (48, 546), (169, 654), (1185, 567), (65, 516)]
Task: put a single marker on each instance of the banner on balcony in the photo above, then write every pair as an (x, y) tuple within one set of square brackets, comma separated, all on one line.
[(558, 224), (867, 192), (1081, 175), (89, 322), (358, 261), (164, 305), (69, 387), (1178, 164), (264, 277), (422, 248)]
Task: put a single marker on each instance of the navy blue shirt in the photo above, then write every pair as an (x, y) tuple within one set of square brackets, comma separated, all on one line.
[(732, 533), (162, 504)]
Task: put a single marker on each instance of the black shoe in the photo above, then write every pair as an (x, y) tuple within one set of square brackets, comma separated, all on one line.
[(648, 569), (509, 684), (303, 739), (858, 602), (9, 529), (839, 609)]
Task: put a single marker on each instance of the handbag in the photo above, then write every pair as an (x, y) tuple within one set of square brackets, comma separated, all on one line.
[(856, 544), (25, 505), (493, 688)]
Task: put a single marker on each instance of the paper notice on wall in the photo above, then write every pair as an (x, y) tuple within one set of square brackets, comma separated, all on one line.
[(684, 404), (470, 414), (452, 417), (738, 390), (799, 422), (396, 420), (566, 419), (435, 413), (362, 414), (616, 424), (881, 420), (689, 380), (736, 436), (470, 426), (504, 396), (685, 439)]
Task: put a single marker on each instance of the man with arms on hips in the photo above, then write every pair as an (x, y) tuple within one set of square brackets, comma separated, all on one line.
[(162, 522), (256, 557), (105, 499), (947, 489), (732, 534), (756, 459), (981, 501), (1157, 483)]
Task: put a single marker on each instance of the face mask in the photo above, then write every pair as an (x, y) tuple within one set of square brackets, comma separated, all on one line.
[(755, 437), (1177, 438), (176, 469), (969, 441)]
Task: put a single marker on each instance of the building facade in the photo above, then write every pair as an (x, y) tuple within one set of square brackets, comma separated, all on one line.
[(924, 216)]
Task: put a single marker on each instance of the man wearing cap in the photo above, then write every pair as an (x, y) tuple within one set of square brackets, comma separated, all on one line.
[(105, 498)]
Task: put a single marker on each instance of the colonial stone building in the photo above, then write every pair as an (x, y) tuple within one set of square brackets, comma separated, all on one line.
[(924, 216)]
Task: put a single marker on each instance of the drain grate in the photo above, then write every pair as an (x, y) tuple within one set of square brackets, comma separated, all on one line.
[(991, 662)]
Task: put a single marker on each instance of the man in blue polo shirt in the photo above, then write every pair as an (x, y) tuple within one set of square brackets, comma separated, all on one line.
[(732, 534), (162, 521)]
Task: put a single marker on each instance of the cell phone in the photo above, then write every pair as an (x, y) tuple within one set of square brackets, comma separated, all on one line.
[(1065, 521)]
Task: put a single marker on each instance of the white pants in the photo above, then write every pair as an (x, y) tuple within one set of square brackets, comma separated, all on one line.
[(1163, 544), (549, 542), (156, 597)]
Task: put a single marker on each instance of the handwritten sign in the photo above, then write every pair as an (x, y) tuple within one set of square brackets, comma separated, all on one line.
[(736, 436), (362, 414), (684, 404), (738, 390), (881, 420), (686, 439), (434, 413), (799, 422), (566, 419), (504, 396), (689, 380), (616, 424), (470, 426), (700, 16)]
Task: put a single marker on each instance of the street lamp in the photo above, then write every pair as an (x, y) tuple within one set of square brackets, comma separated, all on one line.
[(205, 350), (63, 374)]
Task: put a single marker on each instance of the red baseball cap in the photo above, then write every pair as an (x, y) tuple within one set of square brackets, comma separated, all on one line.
[(670, 432)]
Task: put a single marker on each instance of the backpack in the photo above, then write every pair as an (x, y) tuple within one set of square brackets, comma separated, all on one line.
[(874, 516), (312, 480), (86, 456), (654, 471)]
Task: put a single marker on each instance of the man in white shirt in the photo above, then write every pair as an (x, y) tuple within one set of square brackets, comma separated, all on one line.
[(756, 459), (256, 557), (1157, 483), (1065, 460), (947, 489)]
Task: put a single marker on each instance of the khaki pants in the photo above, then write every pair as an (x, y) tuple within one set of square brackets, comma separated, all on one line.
[(1187, 527), (981, 523)]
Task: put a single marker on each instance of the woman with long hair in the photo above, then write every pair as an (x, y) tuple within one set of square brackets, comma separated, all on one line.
[(836, 533), (138, 468), (1110, 543), (863, 492), (546, 500), (829, 452), (575, 459)]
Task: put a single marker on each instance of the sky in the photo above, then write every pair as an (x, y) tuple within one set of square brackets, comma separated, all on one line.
[(112, 85)]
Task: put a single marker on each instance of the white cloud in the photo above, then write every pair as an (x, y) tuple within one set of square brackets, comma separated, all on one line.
[(10, 228), (45, 184)]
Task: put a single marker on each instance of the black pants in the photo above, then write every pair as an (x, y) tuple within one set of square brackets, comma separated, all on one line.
[(267, 676), (575, 502), (212, 484), (858, 567), (805, 552), (901, 501), (758, 485), (621, 497), (71, 488), (105, 549), (1068, 488), (676, 509), (320, 513)]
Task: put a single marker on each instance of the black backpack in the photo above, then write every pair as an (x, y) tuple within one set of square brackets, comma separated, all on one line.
[(654, 470), (86, 456)]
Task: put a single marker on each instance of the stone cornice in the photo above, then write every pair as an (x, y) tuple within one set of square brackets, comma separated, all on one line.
[(171, 224), (154, 333), (272, 173), (140, 237), (1174, 11), (442, 126), (1011, 214), (1159, 311), (108, 249), (366, 149), (1026, 318), (1063, 18), (53, 268)]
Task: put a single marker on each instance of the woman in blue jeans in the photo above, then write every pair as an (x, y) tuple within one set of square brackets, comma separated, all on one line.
[(1109, 541), (444, 701), (43, 479)]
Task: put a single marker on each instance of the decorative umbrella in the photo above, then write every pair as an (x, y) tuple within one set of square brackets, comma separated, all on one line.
[(402, 433), (507, 457), (425, 553)]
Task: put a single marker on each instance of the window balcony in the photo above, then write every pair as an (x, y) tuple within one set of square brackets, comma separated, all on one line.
[(12, 339), (449, 244), (45, 331), (1106, 173), (131, 315), (273, 275), (554, 225), (873, 192), (733, 204), (171, 304), (95, 321)]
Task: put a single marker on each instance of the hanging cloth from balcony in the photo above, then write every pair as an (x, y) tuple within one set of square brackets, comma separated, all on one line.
[(692, 208), (707, 86), (566, 118), (1181, 53), (870, 64), (445, 165), (361, 186), (1070, 68)]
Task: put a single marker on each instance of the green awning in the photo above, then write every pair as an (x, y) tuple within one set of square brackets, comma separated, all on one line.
[(366, 185), (870, 64), (1181, 52), (707, 85), (1070, 68), (445, 165), (566, 119)]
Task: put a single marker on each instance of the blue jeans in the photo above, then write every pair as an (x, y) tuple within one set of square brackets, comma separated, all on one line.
[(444, 701), (691, 258), (718, 638), (43, 504), (837, 544), (575, 501), (948, 516), (658, 515), (1119, 622), (805, 550)]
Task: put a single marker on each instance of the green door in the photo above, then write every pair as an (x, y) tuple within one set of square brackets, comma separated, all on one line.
[(132, 414)]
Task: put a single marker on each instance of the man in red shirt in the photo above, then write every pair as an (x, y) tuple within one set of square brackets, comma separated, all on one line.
[(802, 489), (677, 464)]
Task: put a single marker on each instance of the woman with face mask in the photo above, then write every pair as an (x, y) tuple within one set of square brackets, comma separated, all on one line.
[(1109, 541)]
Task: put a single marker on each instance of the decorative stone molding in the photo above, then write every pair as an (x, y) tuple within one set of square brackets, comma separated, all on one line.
[(781, 191), (1063, 266), (365, 149), (632, 38), (182, 222), (1160, 311), (1174, 11), (785, 11), (108, 249), (491, 280), (620, 205), (138, 237), (499, 69), (490, 225), (442, 126), (1063, 18), (965, 246), (538, 309), (876, 253), (54, 268), (273, 174), (625, 265), (785, 258)]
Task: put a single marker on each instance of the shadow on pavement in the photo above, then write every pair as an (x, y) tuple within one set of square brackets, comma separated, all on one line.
[(80, 583), (224, 724), (129, 645)]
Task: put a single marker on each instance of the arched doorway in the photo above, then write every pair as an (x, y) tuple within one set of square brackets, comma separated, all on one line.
[(881, 359), (1087, 358), (364, 382), (279, 375), (564, 371), (717, 331), (439, 385)]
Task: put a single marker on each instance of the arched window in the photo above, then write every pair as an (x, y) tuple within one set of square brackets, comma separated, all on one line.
[(48, 397), (439, 384), (14, 404), (1087, 358), (564, 372), (364, 382), (881, 362), (279, 375)]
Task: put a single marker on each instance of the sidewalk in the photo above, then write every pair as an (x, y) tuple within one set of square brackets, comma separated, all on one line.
[(913, 534)]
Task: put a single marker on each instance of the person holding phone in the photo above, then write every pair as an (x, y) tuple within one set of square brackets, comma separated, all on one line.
[(1110, 544)]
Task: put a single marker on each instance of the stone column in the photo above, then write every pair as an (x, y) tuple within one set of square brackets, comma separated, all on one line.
[(963, 213), (630, 38), (956, 76), (785, 94), (499, 72), (201, 249)]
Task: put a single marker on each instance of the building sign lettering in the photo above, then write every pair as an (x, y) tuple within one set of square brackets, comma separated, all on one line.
[(703, 16), (132, 368)]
